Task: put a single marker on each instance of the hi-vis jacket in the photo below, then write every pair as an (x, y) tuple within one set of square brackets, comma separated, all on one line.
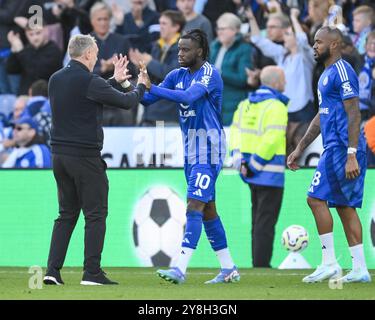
[(258, 131)]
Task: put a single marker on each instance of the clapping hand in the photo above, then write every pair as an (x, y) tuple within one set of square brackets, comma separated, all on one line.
[(15, 41), (67, 3), (60, 5), (57, 10), (21, 22), (106, 65), (143, 77), (118, 14), (274, 6), (253, 77), (294, 13), (335, 17), (136, 56), (249, 13), (120, 64)]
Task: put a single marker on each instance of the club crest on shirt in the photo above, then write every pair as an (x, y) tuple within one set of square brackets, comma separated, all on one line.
[(363, 79), (205, 80), (347, 88), (325, 81)]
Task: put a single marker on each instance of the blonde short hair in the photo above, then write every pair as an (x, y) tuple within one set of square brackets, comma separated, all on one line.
[(229, 19), (98, 6), (282, 18), (365, 10), (79, 44)]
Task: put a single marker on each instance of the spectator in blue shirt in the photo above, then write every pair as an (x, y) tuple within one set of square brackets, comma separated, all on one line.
[(367, 80), (30, 151)]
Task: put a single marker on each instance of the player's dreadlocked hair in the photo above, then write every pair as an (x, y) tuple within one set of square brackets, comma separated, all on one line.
[(199, 37)]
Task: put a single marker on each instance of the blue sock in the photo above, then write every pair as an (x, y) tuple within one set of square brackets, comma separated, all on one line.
[(193, 229), (215, 234)]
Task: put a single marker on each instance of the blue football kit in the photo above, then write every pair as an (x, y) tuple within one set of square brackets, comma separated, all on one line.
[(337, 83), (199, 95)]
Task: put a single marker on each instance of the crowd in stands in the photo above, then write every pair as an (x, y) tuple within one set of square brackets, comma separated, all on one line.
[(245, 36)]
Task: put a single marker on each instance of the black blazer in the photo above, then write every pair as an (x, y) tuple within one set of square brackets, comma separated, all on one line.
[(77, 97)]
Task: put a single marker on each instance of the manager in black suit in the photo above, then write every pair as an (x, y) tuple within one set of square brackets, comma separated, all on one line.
[(77, 97)]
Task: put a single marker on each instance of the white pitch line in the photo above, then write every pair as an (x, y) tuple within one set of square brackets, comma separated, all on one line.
[(188, 273), (152, 273)]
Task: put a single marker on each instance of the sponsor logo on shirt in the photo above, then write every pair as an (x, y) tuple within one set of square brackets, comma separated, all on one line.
[(205, 80), (325, 81), (347, 88), (187, 113), (323, 111)]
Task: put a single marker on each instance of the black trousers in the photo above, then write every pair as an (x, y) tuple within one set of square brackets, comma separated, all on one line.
[(266, 204), (82, 183)]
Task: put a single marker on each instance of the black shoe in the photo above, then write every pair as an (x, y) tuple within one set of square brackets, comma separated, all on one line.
[(98, 279), (53, 278)]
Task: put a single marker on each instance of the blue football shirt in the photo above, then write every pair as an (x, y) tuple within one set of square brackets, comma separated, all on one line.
[(35, 156), (337, 83), (199, 95)]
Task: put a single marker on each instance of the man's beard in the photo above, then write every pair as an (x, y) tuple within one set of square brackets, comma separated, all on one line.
[(323, 57), (190, 63)]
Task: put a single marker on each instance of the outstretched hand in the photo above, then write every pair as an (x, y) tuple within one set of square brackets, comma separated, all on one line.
[(142, 67), (143, 77), (121, 68)]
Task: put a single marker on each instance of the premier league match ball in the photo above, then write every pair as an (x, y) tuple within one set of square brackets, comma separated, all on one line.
[(295, 238), (158, 226)]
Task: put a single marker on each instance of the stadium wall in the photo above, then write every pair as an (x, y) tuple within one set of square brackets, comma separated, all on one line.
[(162, 147), (28, 207)]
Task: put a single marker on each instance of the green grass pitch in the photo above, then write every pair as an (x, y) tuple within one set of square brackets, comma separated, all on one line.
[(143, 284)]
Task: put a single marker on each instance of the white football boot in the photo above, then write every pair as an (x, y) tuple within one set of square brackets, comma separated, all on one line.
[(356, 275), (324, 272)]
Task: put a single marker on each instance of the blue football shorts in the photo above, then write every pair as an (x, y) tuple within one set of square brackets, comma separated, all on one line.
[(201, 179), (330, 184)]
